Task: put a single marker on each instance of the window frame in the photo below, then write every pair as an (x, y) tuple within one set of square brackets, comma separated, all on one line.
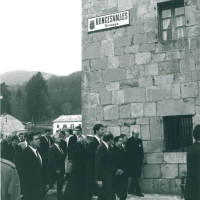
[(165, 6)]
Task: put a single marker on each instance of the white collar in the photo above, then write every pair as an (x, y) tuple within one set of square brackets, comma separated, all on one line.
[(105, 144), (57, 146), (98, 139)]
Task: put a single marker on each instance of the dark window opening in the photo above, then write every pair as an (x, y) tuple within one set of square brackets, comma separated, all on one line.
[(57, 126), (178, 133), (171, 20)]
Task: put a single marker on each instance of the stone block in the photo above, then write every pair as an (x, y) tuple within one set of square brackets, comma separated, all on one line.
[(145, 146), (176, 157), (89, 114), (145, 81), (146, 185), (195, 76), (135, 71), (90, 100), (143, 58), (125, 130), (197, 108), (114, 130), (155, 146), (156, 128), (192, 16), (97, 87), (113, 62), (182, 170), (123, 41), (98, 36), (112, 86), (189, 89), (134, 30), (129, 122), (97, 64), (163, 92), (114, 74), (99, 113), (110, 112), (118, 51), (152, 171), (147, 47), (132, 49), (86, 65), (168, 67), (93, 50), (164, 79), (140, 39), (159, 57), (161, 186), (106, 98), (95, 77), (197, 101), (145, 133), (134, 127), (151, 69), (117, 97), (154, 158), (149, 109), (150, 23), (125, 4), (142, 10), (107, 48), (126, 60), (140, 121), (175, 107), (134, 95), (174, 55), (112, 3), (182, 77), (152, 36), (169, 171), (125, 111), (195, 120), (137, 110), (129, 83), (187, 65)]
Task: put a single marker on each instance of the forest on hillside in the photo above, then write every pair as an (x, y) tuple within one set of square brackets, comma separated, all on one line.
[(42, 100)]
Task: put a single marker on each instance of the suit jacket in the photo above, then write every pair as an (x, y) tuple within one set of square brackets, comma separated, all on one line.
[(91, 151), (23, 144), (135, 155), (72, 140), (192, 188), (12, 154), (56, 160), (63, 146), (103, 164), (31, 174)]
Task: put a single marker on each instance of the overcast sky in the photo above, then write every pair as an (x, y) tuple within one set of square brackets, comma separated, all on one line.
[(42, 35)]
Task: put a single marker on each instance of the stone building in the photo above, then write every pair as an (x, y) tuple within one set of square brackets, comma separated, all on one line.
[(145, 76)]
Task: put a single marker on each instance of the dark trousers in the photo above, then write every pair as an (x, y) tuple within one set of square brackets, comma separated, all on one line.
[(120, 184), (135, 185), (32, 197), (106, 192), (91, 189)]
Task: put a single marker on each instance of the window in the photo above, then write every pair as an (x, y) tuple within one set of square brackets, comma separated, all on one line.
[(178, 133), (72, 126), (80, 125), (171, 20), (57, 126)]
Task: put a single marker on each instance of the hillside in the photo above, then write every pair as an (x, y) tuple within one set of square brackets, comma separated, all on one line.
[(20, 76)]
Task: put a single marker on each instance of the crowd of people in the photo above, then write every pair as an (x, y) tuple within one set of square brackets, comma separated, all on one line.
[(94, 165)]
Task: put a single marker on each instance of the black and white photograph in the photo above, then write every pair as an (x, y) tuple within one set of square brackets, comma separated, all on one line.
[(100, 100)]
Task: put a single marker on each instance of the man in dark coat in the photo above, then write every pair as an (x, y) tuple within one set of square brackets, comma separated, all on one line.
[(104, 170), (31, 170), (75, 189), (56, 166), (12, 151), (119, 162), (91, 186), (63, 143), (192, 188), (135, 155)]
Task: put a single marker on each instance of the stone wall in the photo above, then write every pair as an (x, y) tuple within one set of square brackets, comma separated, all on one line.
[(131, 80)]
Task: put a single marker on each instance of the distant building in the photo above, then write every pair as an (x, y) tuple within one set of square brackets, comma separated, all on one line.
[(9, 124), (66, 122)]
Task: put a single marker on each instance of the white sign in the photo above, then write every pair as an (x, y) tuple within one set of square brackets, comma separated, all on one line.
[(108, 21)]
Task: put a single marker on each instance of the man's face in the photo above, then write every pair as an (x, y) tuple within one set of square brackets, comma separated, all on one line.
[(120, 142), (100, 132), (48, 133), (21, 137), (8, 138), (15, 142), (62, 136), (36, 142), (77, 131), (57, 139), (110, 142), (135, 134), (125, 138)]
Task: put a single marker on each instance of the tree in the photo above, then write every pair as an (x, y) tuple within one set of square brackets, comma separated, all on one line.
[(37, 98), (6, 101)]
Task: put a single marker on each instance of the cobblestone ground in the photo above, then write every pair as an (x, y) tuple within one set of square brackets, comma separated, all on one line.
[(51, 195)]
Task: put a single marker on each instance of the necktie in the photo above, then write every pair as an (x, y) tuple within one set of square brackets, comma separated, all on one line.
[(38, 156)]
